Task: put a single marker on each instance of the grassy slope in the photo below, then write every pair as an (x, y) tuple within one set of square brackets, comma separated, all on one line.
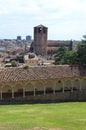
[(66, 116)]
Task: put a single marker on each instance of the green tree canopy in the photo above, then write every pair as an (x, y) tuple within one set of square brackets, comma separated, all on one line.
[(81, 51), (67, 56), (61, 51)]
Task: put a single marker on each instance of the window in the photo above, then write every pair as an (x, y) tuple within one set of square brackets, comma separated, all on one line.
[(39, 30)]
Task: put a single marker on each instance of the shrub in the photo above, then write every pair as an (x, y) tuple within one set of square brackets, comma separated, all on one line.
[(13, 63), (26, 66)]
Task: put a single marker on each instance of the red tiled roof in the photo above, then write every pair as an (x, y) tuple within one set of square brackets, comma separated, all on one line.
[(37, 73)]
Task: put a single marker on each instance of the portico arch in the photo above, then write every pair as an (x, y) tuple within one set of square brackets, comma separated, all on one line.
[(68, 85), (83, 84), (6, 91), (39, 87), (58, 85), (18, 90), (76, 84), (29, 89), (49, 86)]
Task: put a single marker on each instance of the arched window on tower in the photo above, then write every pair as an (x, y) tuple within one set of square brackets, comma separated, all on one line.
[(39, 30)]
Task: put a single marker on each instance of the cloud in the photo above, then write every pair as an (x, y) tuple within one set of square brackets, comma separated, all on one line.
[(63, 15)]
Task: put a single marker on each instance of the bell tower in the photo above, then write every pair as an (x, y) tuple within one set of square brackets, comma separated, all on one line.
[(40, 40)]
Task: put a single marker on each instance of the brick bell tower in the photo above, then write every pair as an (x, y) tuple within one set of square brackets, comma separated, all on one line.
[(40, 40)]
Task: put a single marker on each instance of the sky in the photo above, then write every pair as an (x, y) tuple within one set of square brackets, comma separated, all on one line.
[(65, 19)]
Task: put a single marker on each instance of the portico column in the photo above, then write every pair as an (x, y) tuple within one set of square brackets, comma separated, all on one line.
[(72, 86), (44, 90), (23, 92), (12, 93), (34, 92), (80, 85), (63, 86), (54, 90), (1, 94)]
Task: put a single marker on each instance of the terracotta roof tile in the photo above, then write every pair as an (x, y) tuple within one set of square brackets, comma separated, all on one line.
[(37, 73)]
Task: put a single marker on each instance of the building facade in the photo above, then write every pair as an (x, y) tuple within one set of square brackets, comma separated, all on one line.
[(28, 38), (19, 38)]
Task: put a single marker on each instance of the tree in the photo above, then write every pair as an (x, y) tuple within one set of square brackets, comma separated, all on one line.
[(81, 51), (70, 57), (66, 56), (60, 54)]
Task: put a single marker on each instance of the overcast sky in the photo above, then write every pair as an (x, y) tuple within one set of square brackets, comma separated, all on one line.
[(65, 19)]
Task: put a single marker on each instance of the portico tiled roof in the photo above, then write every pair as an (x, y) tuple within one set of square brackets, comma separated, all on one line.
[(38, 73)]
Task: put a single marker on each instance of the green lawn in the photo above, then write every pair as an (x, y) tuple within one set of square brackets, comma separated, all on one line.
[(62, 116)]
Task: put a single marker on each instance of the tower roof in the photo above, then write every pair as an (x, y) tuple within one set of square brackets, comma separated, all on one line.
[(40, 26)]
